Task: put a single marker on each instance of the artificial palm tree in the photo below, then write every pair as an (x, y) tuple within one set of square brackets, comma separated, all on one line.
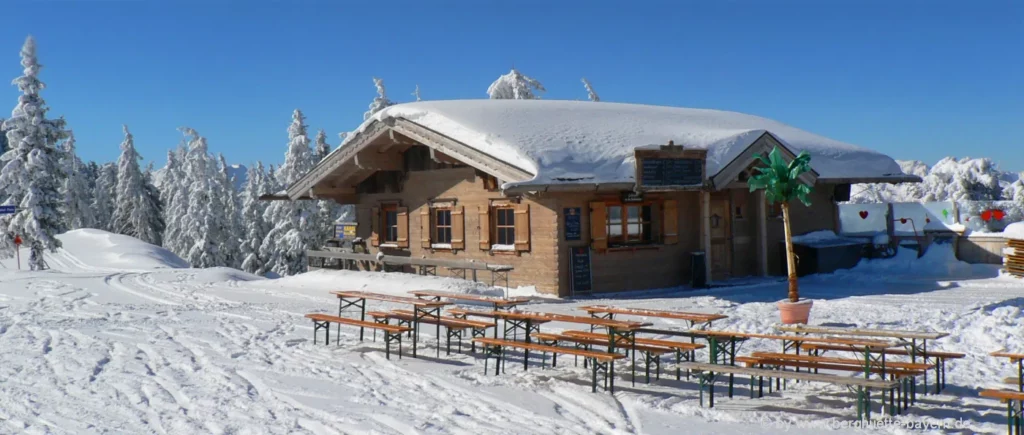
[(781, 184)]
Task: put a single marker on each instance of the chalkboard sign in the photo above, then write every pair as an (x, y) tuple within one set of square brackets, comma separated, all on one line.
[(572, 223), (671, 172), (579, 263)]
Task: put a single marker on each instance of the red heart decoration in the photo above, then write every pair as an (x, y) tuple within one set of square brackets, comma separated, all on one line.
[(986, 215), (998, 215), (967, 220), (903, 220), (864, 214), (927, 220)]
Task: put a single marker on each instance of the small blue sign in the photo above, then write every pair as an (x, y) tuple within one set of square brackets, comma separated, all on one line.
[(8, 209), (572, 223)]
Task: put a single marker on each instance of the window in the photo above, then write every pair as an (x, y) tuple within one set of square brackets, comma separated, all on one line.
[(443, 225), (505, 226), (629, 224), (390, 224)]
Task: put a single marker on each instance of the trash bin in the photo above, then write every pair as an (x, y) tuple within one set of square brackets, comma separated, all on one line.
[(698, 270)]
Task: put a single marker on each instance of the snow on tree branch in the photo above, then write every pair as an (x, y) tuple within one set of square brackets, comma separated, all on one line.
[(380, 102), (515, 86), (590, 90)]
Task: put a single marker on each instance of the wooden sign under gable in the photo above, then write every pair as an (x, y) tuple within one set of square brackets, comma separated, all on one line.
[(670, 167)]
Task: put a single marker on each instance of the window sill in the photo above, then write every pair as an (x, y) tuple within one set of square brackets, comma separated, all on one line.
[(441, 246), (388, 245), (634, 248)]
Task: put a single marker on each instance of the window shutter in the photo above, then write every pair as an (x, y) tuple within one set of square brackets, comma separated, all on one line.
[(522, 226), (425, 229), (458, 228), (670, 222), (375, 226), (403, 227), (598, 226), (485, 228)]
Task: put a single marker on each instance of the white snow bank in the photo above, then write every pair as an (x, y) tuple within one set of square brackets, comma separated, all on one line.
[(98, 248), (938, 261), (825, 238), (1014, 231), (590, 142), (318, 282)]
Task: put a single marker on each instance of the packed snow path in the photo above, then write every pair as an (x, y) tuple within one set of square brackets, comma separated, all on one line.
[(89, 348)]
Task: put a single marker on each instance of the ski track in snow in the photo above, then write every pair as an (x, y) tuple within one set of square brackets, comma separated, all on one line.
[(90, 349)]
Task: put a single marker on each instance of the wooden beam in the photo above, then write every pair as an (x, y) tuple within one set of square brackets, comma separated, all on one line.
[(378, 161), (323, 191), (762, 233), (705, 231), (440, 157)]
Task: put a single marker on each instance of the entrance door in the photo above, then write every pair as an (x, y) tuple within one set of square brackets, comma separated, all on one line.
[(721, 239)]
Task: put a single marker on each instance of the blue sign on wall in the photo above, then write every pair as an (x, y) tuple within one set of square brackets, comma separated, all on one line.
[(572, 223), (7, 209)]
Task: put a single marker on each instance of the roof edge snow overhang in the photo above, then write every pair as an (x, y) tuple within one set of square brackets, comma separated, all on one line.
[(763, 144), (893, 179), (423, 135)]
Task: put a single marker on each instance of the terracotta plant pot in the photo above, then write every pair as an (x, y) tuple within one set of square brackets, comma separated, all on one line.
[(795, 312)]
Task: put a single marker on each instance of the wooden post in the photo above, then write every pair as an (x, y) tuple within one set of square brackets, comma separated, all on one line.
[(705, 231), (762, 233)]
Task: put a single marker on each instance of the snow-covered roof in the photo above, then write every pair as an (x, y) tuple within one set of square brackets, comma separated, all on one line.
[(593, 142)]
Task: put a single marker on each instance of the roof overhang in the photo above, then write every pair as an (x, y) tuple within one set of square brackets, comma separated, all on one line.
[(305, 186), (893, 179), (762, 145)]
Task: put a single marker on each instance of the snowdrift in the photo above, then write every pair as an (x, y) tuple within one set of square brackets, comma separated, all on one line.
[(101, 249)]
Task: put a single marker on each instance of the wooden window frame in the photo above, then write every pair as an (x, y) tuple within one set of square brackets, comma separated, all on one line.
[(623, 239), (385, 229), (436, 227), (509, 226)]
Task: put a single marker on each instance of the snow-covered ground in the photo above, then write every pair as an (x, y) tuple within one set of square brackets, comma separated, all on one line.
[(101, 345)]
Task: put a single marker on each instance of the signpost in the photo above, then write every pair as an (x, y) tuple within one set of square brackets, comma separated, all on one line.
[(17, 249), (581, 275), (572, 223), (8, 209)]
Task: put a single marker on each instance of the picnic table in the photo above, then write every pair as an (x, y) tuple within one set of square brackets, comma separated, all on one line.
[(694, 319), (496, 302), (722, 347), (906, 338), (420, 308), (1014, 358), (617, 329)]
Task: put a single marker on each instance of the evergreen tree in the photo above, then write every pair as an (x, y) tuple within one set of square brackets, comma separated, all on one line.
[(105, 196), (515, 86), (380, 102), (32, 176), (3, 139), (153, 210), (76, 192), (203, 223), (172, 196), (294, 222), (322, 147), (231, 232), (416, 93), (590, 90), (257, 227), (129, 217), (328, 209)]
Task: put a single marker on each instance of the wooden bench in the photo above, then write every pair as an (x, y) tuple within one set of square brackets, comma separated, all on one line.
[(939, 356), (651, 354), (684, 351), (862, 387), (454, 327), (599, 361), (1013, 400), (392, 333), (904, 396)]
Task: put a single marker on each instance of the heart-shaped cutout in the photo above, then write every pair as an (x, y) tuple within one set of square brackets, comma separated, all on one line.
[(903, 220), (927, 220), (864, 214)]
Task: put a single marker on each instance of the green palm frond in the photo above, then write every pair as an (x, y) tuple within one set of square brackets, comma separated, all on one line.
[(781, 179)]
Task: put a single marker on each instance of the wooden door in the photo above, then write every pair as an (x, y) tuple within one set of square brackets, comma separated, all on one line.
[(721, 239)]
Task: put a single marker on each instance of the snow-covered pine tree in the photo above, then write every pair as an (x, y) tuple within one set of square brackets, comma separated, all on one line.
[(153, 208), (328, 209), (322, 147), (231, 234), (75, 191), (128, 216), (3, 140), (515, 86), (256, 226), (172, 196), (31, 176), (380, 102), (203, 223), (104, 196), (294, 222), (591, 95), (416, 93)]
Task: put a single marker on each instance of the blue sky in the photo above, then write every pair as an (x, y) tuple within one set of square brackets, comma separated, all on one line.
[(915, 79)]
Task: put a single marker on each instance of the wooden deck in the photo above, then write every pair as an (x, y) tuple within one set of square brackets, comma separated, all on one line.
[(423, 266)]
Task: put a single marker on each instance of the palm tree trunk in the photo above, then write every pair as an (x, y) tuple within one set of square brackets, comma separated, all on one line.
[(794, 291)]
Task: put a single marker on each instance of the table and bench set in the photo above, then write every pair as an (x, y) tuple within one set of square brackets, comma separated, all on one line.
[(870, 354)]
